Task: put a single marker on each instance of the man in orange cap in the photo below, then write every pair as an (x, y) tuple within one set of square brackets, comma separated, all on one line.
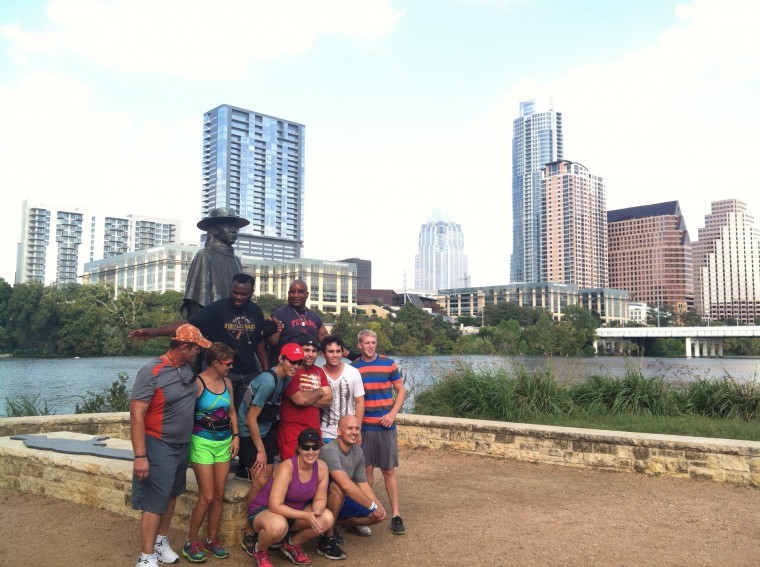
[(161, 416)]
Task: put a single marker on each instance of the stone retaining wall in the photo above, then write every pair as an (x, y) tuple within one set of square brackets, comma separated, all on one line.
[(722, 460), (106, 483)]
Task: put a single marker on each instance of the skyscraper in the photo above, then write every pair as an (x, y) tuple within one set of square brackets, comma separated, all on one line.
[(650, 255), (536, 141), (440, 262), (56, 241), (254, 164), (727, 264), (573, 228)]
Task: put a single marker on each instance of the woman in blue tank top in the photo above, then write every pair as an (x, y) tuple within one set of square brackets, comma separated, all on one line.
[(214, 442), (293, 503)]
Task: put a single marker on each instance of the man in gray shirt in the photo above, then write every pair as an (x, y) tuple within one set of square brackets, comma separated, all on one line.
[(350, 498)]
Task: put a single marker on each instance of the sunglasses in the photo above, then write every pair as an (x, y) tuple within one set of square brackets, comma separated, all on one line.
[(295, 362), (225, 362), (309, 447)]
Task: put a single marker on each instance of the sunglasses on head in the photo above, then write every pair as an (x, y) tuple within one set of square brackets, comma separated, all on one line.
[(309, 447)]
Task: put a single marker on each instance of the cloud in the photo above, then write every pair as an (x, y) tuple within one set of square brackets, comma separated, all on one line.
[(64, 150), (189, 38)]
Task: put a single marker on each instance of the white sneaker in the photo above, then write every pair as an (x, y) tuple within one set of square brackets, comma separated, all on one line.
[(165, 553), (361, 530), (150, 561)]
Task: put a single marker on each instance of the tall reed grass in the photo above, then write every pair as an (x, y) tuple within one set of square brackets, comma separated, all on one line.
[(521, 395)]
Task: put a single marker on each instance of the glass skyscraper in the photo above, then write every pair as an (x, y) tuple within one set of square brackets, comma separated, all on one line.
[(440, 262), (536, 141), (254, 164)]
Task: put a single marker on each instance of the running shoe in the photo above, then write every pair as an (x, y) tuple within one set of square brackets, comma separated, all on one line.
[(294, 552), (194, 552), (327, 547), (215, 548), (262, 559), (165, 553), (248, 543), (397, 525)]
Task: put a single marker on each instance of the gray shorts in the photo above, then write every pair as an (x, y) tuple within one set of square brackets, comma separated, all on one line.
[(380, 448), (166, 476)]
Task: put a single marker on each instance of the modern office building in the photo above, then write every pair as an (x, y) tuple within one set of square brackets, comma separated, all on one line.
[(332, 285), (440, 261), (610, 304), (536, 141), (727, 264), (573, 226), (254, 164), (56, 241), (650, 255), (363, 272), (159, 269)]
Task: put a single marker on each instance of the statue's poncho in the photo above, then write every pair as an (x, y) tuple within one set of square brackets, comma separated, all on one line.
[(210, 276)]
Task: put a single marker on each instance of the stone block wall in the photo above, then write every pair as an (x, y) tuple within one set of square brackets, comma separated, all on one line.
[(722, 460)]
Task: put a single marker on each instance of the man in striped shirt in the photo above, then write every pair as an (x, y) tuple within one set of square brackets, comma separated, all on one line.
[(381, 377)]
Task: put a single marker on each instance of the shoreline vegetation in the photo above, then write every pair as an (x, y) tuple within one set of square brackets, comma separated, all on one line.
[(719, 408), (707, 407)]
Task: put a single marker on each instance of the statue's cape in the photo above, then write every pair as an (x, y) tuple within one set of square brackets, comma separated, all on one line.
[(210, 276)]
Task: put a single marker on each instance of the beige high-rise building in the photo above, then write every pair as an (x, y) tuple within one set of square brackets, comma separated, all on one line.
[(573, 226), (727, 264), (650, 255)]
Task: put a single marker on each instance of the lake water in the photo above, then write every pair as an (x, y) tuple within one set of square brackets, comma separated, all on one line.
[(64, 381)]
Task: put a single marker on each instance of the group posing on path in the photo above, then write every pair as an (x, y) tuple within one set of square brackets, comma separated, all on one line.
[(307, 437)]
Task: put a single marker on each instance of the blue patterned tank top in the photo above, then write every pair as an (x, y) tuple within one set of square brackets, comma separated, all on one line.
[(212, 419)]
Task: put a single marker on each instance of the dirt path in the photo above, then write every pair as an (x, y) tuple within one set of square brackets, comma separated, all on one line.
[(459, 510)]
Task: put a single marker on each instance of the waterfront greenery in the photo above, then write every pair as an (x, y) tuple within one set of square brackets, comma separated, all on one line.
[(27, 405), (90, 320), (706, 407), (112, 399)]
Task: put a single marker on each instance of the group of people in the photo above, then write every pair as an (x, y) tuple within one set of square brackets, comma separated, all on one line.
[(307, 437)]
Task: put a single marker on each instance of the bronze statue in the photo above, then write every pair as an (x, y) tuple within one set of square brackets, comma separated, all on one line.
[(210, 275)]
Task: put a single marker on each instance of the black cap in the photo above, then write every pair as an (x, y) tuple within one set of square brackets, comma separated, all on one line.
[(309, 435), (306, 340)]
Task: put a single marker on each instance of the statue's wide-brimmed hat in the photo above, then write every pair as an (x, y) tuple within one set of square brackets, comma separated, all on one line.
[(220, 215)]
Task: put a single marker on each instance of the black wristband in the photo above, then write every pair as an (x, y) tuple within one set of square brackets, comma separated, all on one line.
[(141, 456), (236, 434)]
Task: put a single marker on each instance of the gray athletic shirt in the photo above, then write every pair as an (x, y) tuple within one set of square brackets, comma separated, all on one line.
[(352, 463)]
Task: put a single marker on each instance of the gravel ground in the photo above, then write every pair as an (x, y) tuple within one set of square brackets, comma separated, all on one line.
[(459, 510)]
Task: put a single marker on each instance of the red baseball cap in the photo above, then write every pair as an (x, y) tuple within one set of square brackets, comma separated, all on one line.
[(292, 352)]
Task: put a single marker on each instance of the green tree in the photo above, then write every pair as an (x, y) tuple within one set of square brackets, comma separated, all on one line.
[(270, 303)]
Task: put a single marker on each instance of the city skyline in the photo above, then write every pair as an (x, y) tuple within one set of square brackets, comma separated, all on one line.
[(408, 106)]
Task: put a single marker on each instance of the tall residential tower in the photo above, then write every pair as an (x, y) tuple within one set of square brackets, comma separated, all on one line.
[(254, 164), (440, 262), (727, 264), (56, 241), (573, 226), (536, 141)]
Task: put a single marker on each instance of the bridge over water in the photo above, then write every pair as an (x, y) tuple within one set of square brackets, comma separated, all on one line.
[(700, 341)]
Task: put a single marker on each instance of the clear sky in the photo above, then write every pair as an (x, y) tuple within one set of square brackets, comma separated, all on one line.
[(408, 107)]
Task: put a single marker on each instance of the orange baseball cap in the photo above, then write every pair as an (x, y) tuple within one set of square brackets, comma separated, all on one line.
[(188, 333)]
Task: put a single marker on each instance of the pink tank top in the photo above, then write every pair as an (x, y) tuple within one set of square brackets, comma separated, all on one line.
[(299, 493)]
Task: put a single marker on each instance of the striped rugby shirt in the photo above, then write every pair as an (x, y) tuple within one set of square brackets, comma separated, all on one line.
[(378, 378)]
